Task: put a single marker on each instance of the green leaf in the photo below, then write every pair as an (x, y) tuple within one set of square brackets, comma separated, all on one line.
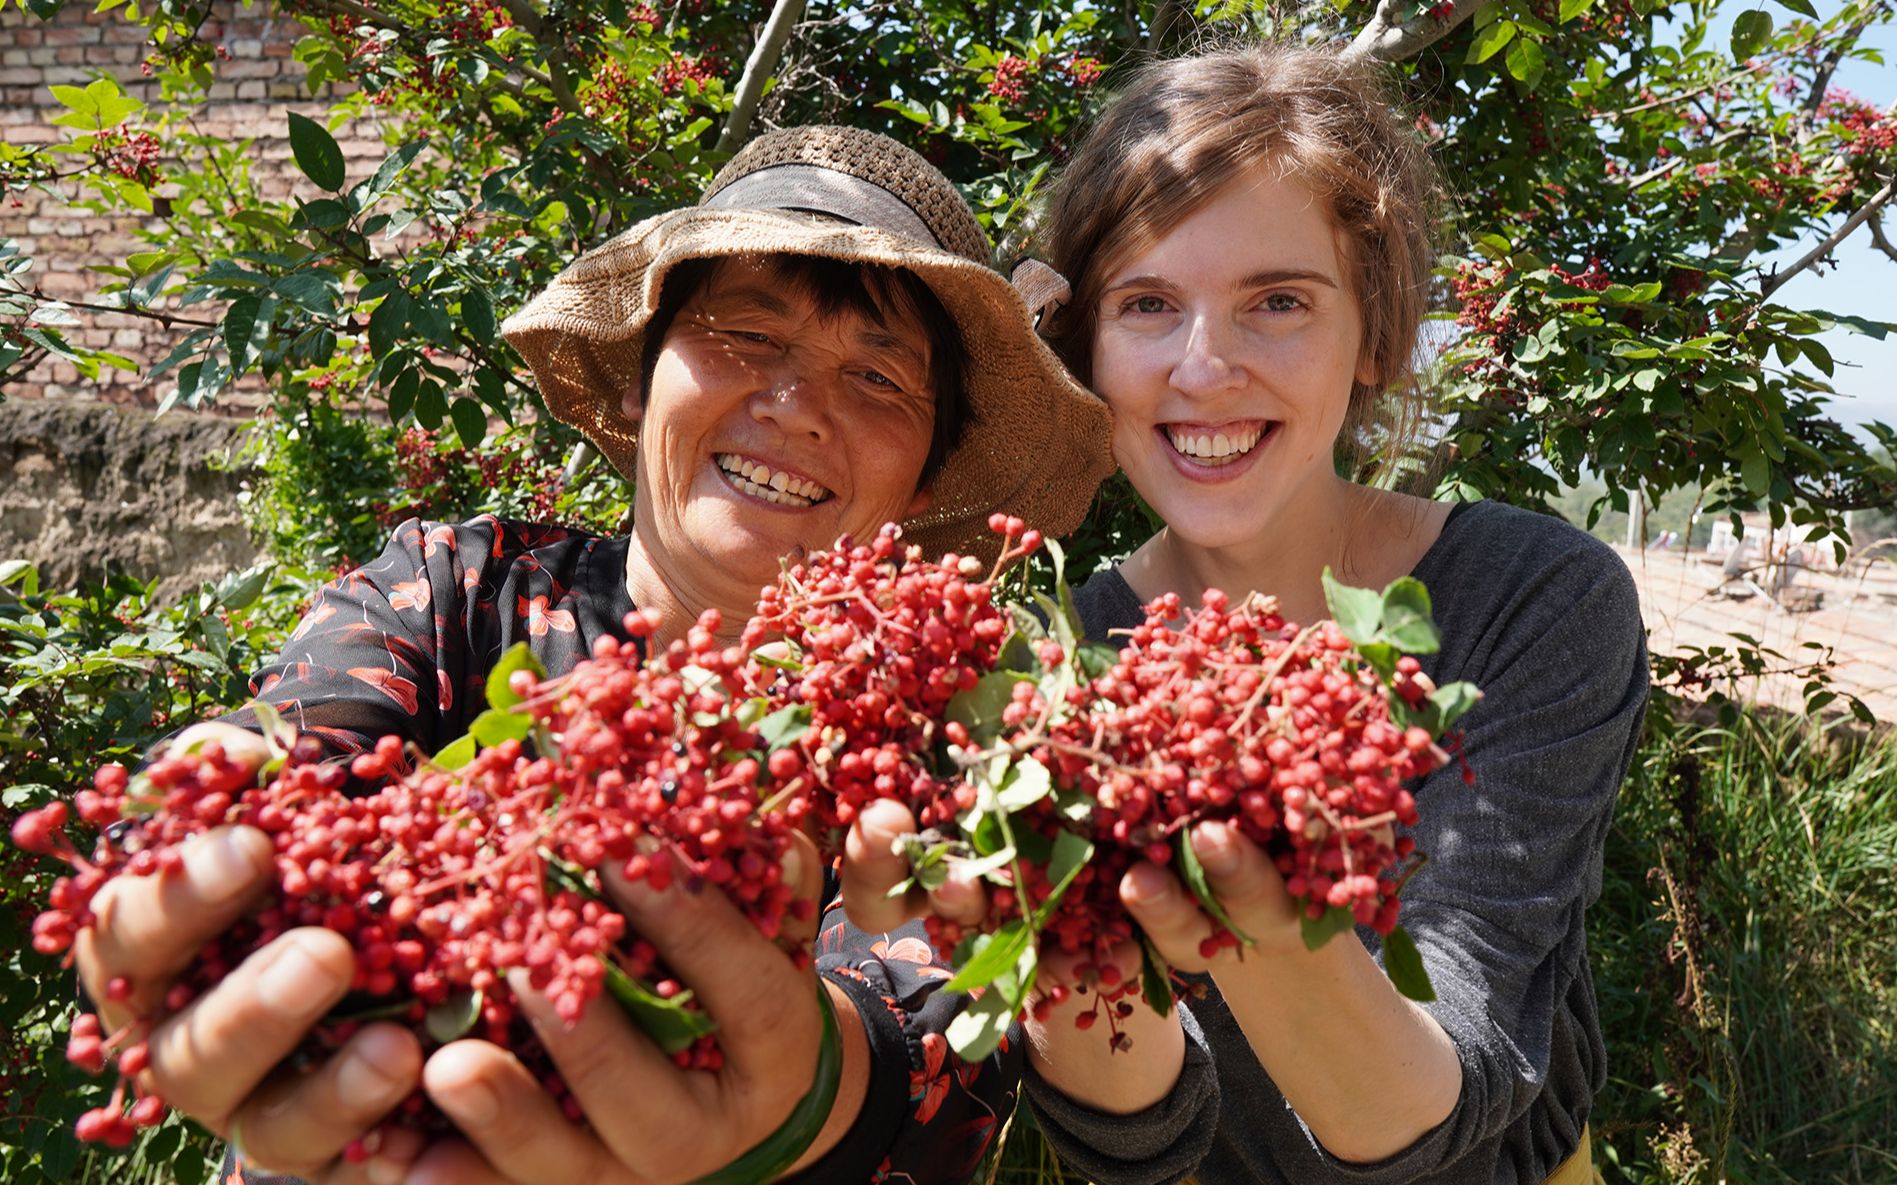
[(1027, 783), (1573, 8), (517, 658), (1489, 41), (454, 1017), (1452, 702), (1071, 853), (1750, 32), (785, 726), (495, 725), (388, 322), (1527, 62), (1407, 624), (392, 166), (477, 313), (1404, 965), (1801, 7), (316, 152), (456, 754), (402, 394), (1194, 873), (470, 421), (12, 570), (670, 1025), (979, 708), (977, 1032), (1357, 611), (773, 1156), (247, 328), (1155, 977), (992, 955), (1320, 930)]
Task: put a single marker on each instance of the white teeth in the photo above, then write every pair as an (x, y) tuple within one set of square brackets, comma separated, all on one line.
[(1219, 447), (779, 487)]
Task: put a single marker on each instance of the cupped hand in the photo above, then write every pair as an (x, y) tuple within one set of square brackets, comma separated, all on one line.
[(648, 1121), (1246, 885), (214, 1058)]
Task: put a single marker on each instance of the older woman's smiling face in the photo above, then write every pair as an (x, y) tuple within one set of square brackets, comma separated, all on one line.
[(769, 425)]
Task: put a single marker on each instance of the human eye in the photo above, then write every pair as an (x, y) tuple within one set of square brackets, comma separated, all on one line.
[(1146, 305), (1282, 302), (749, 337)]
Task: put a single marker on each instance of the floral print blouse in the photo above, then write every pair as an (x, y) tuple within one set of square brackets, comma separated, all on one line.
[(402, 646)]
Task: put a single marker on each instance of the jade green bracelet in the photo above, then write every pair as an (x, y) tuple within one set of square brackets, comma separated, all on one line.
[(774, 1155)]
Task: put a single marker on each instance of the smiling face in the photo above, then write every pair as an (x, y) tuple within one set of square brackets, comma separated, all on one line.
[(770, 424), (1227, 351)]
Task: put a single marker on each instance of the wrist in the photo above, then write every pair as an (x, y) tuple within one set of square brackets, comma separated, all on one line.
[(1119, 1067), (853, 1082)]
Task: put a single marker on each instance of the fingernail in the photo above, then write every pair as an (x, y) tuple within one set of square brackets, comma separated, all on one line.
[(371, 1071), (224, 864), (294, 982), (470, 1104), (1212, 843)]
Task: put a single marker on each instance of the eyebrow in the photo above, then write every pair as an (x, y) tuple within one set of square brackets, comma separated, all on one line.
[(1263, 279), (747, 297)]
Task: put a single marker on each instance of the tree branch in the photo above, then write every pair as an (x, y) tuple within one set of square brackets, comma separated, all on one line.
[(150, 314), (1878, 238), (757, 71), (528, 18), (1810, 259), (1652, 175), (1388, 38), (1164, 18), (1821, 81)]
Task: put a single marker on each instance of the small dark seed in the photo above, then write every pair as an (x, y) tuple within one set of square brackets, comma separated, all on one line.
[(668, 790)]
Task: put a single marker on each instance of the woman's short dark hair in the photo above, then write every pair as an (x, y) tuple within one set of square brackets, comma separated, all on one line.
[(872, 291)]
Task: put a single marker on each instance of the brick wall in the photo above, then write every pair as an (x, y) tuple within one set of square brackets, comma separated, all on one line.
[(251, 99)]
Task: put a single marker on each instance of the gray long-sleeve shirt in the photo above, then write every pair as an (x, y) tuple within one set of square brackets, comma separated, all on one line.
[(1545, 620)]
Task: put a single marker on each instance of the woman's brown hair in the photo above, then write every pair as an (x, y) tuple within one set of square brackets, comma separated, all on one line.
[(1185, 128)]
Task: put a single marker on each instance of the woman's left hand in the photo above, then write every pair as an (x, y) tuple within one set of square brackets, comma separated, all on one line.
[(1243, 880), (652, 1123)]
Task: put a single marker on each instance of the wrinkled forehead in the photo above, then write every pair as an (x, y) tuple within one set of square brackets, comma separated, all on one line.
[(828, 291)]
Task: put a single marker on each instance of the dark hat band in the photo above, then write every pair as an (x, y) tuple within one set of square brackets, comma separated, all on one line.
[(824, 191)]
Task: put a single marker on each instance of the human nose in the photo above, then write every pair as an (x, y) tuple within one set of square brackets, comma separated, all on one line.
[(796, 403), (1208, 363)]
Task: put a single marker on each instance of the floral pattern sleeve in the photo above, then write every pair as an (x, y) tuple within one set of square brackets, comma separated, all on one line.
[(402, 646)]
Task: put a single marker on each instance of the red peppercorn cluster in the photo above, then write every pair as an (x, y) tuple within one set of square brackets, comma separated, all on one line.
[(883, 641), (443, 880), (866, 673), (1230, 713)]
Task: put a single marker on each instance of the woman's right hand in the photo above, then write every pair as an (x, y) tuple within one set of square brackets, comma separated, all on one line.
[(1083, 1063), (215, 1059)]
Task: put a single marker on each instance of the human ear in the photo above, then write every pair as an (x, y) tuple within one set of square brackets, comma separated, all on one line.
[(632, 404), (920, 503)]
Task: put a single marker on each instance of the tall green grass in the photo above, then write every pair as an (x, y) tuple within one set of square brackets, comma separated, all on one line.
[(1745, 955)]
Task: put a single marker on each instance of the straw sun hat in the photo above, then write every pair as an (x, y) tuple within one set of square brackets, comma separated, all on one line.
[(1036, 442)]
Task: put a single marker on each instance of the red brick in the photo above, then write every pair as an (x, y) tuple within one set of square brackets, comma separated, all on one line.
[(27, 36), (33, 134), (21, 76), (70, 35)]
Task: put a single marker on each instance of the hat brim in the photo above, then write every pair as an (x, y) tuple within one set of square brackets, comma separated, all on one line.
[(1036, 443)]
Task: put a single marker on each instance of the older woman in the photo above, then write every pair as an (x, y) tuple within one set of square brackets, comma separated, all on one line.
[(817, 348)]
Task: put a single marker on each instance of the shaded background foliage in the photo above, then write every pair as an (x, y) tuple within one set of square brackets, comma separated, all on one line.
[(1605, 316)]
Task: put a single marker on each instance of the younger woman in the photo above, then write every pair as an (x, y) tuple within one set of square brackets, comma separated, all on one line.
[(1248, 239)]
